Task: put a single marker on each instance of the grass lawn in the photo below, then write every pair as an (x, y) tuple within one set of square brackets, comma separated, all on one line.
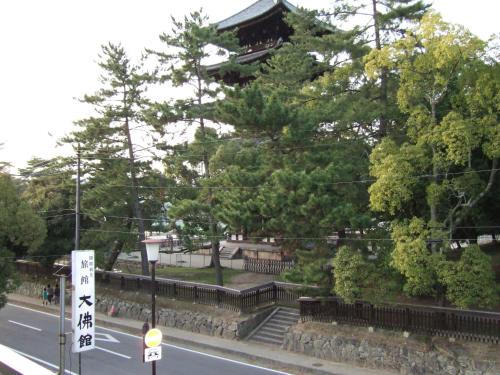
[(201, 275)]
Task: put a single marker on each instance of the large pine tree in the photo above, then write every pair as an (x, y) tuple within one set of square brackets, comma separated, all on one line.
[(109, 150), (182, 65)]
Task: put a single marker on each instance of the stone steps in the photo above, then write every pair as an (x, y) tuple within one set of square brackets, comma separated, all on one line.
[(272, 331)]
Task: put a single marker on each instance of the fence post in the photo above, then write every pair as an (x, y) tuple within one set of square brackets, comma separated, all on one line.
[(195, 289), (218, 297), (240, 301), (407, 319), (372, 314), (275, 293)]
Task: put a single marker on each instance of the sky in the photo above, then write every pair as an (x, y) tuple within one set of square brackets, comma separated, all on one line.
[(49, 54)]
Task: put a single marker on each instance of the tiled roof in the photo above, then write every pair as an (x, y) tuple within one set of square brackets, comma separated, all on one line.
[(253, 11), (240, 59)]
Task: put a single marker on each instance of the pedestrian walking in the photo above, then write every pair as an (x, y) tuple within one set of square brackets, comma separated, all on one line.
[(45, 297), (57, 291), (50, 291)]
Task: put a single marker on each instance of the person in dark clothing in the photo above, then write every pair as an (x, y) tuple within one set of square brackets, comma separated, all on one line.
[(57, 291), (50, 291)]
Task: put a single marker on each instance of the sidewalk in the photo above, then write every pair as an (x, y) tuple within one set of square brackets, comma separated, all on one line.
[(257, 354)]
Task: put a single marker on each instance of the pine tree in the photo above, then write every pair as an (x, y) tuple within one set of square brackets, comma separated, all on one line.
[(182, 64), (108, 149), (388, 21), (50, 191)]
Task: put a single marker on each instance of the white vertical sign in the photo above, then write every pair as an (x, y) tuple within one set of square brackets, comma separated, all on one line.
[(83, 300)]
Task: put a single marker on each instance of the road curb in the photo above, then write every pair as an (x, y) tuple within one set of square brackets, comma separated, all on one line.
[(167, 339)]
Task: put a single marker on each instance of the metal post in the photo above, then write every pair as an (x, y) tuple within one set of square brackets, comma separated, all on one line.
[(77, 229), (77, 205), (153, 307), (62, 336)]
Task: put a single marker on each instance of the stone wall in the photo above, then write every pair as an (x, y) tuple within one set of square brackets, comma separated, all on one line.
[(191, 317), (389, 350), (214, 323)]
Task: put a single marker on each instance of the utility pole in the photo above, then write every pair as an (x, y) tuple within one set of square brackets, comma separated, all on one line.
[(77, 228), (77, 205), (62, 335)]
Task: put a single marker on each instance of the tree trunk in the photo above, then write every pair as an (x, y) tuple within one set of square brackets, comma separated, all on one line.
[(435, 176), (135, 198), (115, 252), (117, 249), (212, 224)]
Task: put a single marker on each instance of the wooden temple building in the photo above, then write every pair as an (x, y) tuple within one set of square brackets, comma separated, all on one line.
[(261, 28)]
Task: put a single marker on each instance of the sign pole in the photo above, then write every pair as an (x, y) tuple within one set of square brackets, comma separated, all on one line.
[(153, 308), (83, 300), (77, 230), (62, 336)]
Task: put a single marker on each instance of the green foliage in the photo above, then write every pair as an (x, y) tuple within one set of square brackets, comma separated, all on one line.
[(311, 268), (8, 276), (111, 195), (182, 63), (50, 190), (21, 233), (21, 230), (350, 271), (470, 282), (412, 257), (356, 277), (395, 170), (449, 129)]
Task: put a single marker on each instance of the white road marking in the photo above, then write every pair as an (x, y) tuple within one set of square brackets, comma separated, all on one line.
[(170, 345), (228, 360), (25, 325), (42, 361), (112, 352), (205, 354), (34, 310), (107, 337)]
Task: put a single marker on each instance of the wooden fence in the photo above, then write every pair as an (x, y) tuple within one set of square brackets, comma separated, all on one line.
[(269, 266), (231, 299), (437, 321), (464, 324)]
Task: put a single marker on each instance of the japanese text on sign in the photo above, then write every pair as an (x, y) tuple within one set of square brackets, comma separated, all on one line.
[(83, 297)]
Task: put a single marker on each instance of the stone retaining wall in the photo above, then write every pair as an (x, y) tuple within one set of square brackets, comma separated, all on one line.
[(392, 351), (200, 319)]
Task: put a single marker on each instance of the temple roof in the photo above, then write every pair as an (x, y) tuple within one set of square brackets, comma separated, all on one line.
[(249, 57), (255, 10)]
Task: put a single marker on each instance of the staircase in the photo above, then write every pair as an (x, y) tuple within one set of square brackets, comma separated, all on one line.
[(227, 252), (273, 329)]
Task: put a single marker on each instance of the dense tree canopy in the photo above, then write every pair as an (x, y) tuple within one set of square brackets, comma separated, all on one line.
[(22, 232), (372, 149)]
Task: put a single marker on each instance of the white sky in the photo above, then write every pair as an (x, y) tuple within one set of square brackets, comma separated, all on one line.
[(49, 51)]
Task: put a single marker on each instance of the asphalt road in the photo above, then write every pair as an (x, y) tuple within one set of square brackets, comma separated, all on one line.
[(35, 335)]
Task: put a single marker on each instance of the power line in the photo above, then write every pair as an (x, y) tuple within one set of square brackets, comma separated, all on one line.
[(348, 182), (160, 218)]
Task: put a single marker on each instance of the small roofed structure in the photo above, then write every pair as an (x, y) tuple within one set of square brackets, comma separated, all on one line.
[(260, 29)]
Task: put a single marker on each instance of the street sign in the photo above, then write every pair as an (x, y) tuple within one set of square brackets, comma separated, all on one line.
[(82, 300), (152, 354), (153, 338)]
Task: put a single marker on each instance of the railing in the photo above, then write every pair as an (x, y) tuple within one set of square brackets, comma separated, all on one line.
[(269, 266), (227, 298), (464, 324)]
